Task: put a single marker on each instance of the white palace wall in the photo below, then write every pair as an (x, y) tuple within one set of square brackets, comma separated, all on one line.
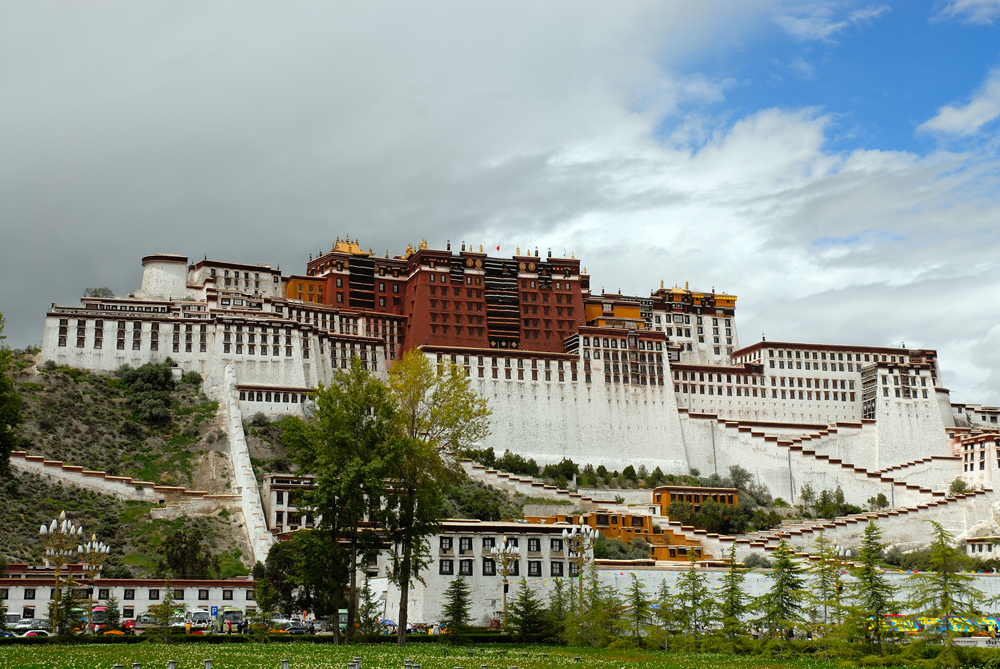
[(599, 423)]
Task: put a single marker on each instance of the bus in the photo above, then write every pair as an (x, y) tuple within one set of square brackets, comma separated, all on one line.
[(99, 618), (228, 615)]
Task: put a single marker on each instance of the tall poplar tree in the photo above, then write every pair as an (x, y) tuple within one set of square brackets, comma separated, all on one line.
[(437, 409), (344, 447)]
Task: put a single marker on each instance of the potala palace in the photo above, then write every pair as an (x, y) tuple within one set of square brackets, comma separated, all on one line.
[(659, 380)]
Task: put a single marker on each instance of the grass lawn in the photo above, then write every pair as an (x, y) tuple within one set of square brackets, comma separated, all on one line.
[(313, 656)]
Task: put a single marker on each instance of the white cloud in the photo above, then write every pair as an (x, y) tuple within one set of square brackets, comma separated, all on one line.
[(816, 22), (983, 107), (263, 136), (973, 11)]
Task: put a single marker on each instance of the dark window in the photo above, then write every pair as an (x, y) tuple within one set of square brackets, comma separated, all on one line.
[(465, 545), (465, 567), (203, 594), (489, 567), (446, 543), (29, 593), (446, 567), (557, 569), (534, 567), (534, 545), (129, 593), (154, 593), (488, 543), (227, 594), (557, 545), (103, 593)]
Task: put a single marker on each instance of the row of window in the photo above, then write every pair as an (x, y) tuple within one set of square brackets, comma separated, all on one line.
[(266, 396), (624, 343), (489, 568), (129, 593), (489, 543)]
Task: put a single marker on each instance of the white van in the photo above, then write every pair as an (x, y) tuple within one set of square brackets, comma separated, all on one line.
[(199, 618)]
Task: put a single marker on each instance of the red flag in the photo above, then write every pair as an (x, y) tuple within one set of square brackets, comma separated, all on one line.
[(498, 248)]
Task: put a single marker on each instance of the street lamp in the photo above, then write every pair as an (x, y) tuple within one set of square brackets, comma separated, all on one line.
[(506, 556), (59, 539), (92, 554), (579, 542)]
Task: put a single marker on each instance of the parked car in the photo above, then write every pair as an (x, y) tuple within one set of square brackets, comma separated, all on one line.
[(296, 627), (37, 633), (6, 633), (11, 621), (23, 625), (128, 624)]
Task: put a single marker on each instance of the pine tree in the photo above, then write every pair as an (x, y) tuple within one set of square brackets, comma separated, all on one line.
[(163, 612), (526, 618), (827, 588), (782, 604), (559, 606), (694, 599), (370, 612), (456, 608), (639, 607), (666, 613), (591, 626), (733, 599), (874, 597), (943, 592)]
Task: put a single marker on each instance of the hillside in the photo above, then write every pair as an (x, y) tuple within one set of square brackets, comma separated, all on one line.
[(91, 420), (86, 419)]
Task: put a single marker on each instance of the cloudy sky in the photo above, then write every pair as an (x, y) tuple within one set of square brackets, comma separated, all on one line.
[(834, 164)]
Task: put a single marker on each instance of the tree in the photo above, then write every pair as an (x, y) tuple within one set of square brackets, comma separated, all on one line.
[(733, 599), (782, 604), (279, 571), (344, 447), (435, 410), (807, 496), (639, 608), (559, 606), (414, 506), (827, 587), (958, 486), (185, 556), (441, 408), (526, 618), (878, 502), (113, 616), (370, 612), (10, 407), (163, 613), (456, 608), (874, 597), (694, 598), (943, 592)]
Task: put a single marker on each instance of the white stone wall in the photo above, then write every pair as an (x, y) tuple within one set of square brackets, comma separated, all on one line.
[(164, 280), (612, 424), (121, 487), (246, 483), (426, 600)]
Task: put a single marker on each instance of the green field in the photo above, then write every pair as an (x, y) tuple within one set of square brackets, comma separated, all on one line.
[(312, 656)]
